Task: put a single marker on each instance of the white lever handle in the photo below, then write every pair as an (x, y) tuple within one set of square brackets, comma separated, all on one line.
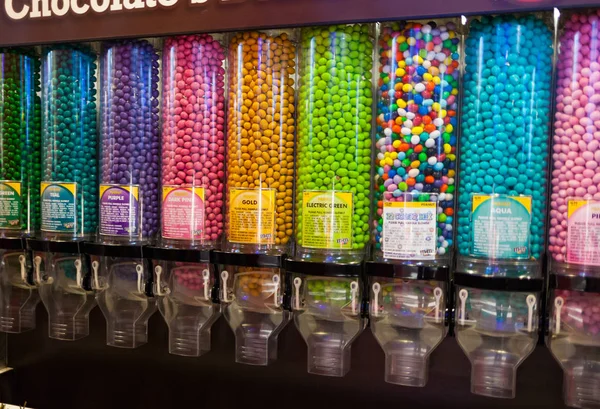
[(531, 301), (276, 280), (205, 280), (139, 269), (95, 268), (463, 295), (37, 261), (78, 275), (23, 262), (559, 302), (353, 291), (158, 270), (376, 290), (437, 293), (224, 277), (297, 285)]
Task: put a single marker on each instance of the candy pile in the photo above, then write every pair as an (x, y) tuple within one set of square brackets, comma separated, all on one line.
[(129, 124), (576, 148), (500, 311), (69, 136), (261, 120), (334, 123), (408, 298), (257, 282), (505, 118), (333, 291), (416, 121), (193, 137), (20, 130), (190, 276), (580, 311)]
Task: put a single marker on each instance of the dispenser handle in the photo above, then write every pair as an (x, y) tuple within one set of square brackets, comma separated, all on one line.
[(276, 282), (376, 289), (463, 295), (78, 275), (531, 301), (205, 280), (37, 262), (158, 270), (224, 277), (353, 291), (95, 268), (437, 293), (23, 262), (139, 269), (297, 285), (559, 302)]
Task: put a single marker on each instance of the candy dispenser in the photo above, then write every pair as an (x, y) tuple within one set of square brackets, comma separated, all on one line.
[(327, 303), (193, 141), (260, 140), (187, 292), (496, 325), (20, 142), (505, 123), (62, 275), (415, 147), (18, 294), (408, 317), (334, 143), (122, 280), (574, 240), (252, 289), (574, 337)]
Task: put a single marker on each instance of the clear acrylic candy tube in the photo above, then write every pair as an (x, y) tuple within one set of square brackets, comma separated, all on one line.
[(505, 124), (20, 142)]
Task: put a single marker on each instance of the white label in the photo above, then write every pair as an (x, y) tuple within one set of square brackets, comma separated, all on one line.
[(409, 230)]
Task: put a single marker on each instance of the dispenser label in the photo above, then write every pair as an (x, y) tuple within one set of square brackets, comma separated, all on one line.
[(501, 226), (58, 206), (409, 230), (10, 204), (583, 232), (183, 212), (252, 216), (327, 219), (119, 210)]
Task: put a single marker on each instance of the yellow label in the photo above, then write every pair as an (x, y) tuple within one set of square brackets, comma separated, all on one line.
[(252, 216), (199, 191), (15, 185), (411, 205), (133, 190), (71, 187), (478, 200), (327, 219), (573, 205)]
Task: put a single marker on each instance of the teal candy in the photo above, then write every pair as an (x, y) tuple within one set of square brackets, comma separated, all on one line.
[(511, 114), (69, 134)]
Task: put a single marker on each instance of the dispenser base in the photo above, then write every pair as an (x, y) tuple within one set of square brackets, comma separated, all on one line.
[(406, 370), (254, 351), (192, 344), (68, 329), (17, 321), (126, 336), (493, 379), (327, 359), (581, 387)]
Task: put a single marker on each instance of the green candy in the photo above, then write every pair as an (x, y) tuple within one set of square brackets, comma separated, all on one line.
[(20, 131)]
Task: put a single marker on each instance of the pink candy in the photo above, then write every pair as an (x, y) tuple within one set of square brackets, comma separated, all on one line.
[(575, 153), (579, 313), (193, 152)]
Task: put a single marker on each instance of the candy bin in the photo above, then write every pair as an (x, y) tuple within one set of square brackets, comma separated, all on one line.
[(193, 141), (415, 147), (334, 143), (18, 294), (574, 337), (574, 233), (496, 325), (408, 317), (260, 141), (69, 189), (122, 280), (187, 292), (20, 142), (252, 288), (508, 62), (62, 275), (328, 311)]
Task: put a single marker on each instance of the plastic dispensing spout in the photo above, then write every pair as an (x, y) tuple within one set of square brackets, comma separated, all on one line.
[(18, 298)]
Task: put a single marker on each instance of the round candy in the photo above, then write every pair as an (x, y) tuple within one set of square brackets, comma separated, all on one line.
[(417, 101), (576, 144), (191, 276), (261, 120), (334, 122), (69, 131), (129, 143), (20, 135), (505, 119), (580, 312), (193, 137)]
